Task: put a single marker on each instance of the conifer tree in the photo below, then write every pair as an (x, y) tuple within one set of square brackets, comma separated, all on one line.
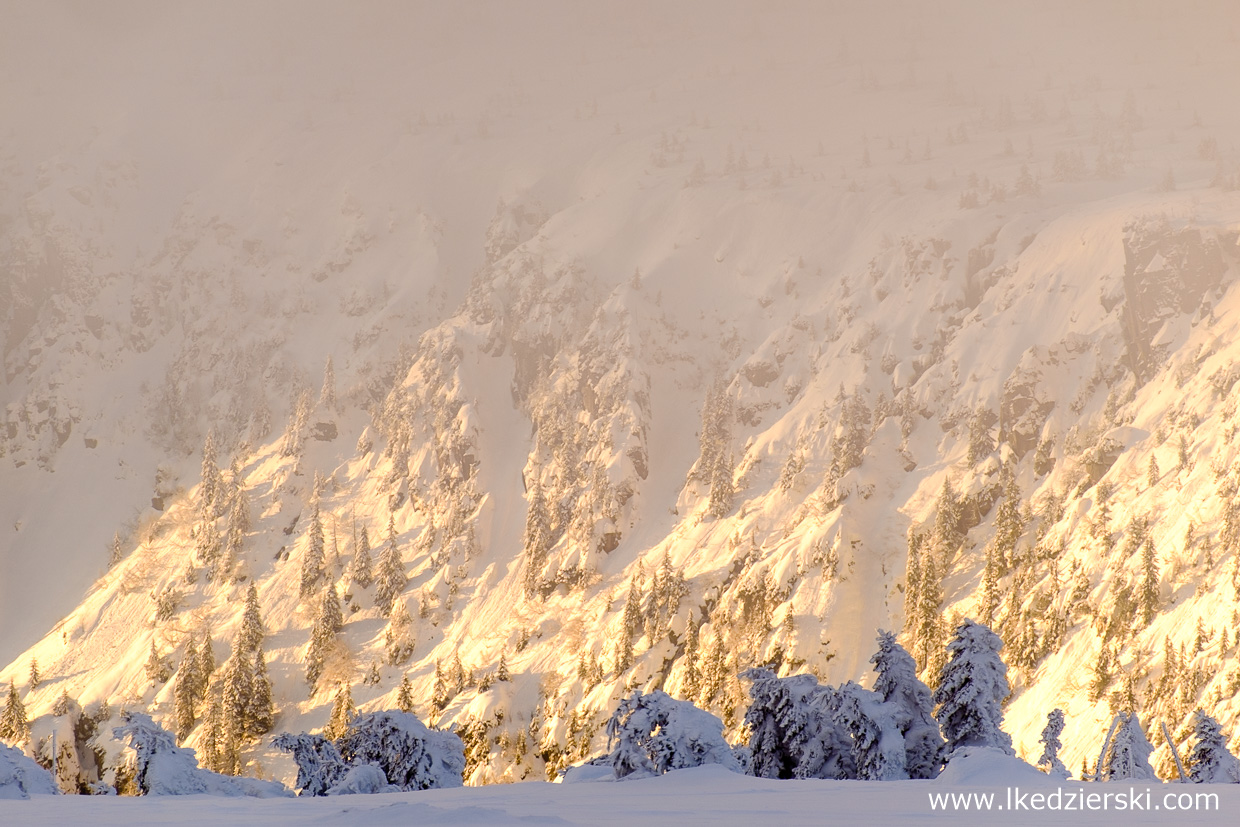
[(1009, 522), (235, 700), (328, 622), (209, 491), (343, 711), (404, 695), (260, 711), (64, 704), (971, 689), (157, 668), (327, 396), (206, 666), (1209, 761), (501, 671), (1049, 761), (14, 725), (1148, 597), (373, 676), (399, 638), (314, 560), (1152, 473), (1127, 755), (212, 736), (391, 581), (185, 692), (536, 543), (250, 635), (35, 677), (439, 693), (877, 746), (910, 700), (361, 570), (114, 554), (691, 683)]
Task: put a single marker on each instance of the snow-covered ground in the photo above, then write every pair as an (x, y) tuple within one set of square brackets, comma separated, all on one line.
[(707, 796)]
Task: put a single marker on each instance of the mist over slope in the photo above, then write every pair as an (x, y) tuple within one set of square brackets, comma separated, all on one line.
[(654, 337)]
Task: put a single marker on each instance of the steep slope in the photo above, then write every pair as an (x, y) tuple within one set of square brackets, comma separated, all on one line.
[(653, 366)]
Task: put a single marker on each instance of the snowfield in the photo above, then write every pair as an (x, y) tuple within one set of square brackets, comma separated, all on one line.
[(701, 796)]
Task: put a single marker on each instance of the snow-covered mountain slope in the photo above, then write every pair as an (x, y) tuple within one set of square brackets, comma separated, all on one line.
[(654, 338)]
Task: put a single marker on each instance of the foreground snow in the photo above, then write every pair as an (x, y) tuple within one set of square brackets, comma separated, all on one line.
[(704, 795)]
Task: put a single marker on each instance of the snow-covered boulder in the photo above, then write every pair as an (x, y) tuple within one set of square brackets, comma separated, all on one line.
[(653, 733), (21, 777)]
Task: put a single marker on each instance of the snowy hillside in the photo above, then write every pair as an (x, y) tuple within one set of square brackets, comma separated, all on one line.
[(567, 350)]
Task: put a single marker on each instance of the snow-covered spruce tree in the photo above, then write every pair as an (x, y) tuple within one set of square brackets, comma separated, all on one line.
[(319, 764), (250, 636), (877, 745), (327, 396), (1209, 761), (206, 666), (158, 669), (1049, 762), (210, 490), (184, 692), (898, 685), (791, 731), (35, 677), (398, 638), (260, 709), (404, 695), (653, 733), (390, 583), (536, 544), (327, 623), (361, 569), (1127, 754), (972, 686), (313, 562), (411, 755), (343, 710), (235, 699), (1148, 593), (115, 554), (14, 725)]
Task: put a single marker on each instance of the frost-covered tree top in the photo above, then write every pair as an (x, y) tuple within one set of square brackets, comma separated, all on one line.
[(653, 733), (971, 690)]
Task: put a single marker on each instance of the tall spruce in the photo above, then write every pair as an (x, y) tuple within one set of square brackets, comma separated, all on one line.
[(313, 562), (184, 693), (391, 580)]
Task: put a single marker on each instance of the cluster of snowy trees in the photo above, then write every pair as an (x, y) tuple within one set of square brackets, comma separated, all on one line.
[(233, 703), (377, 752), (798, 728)]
